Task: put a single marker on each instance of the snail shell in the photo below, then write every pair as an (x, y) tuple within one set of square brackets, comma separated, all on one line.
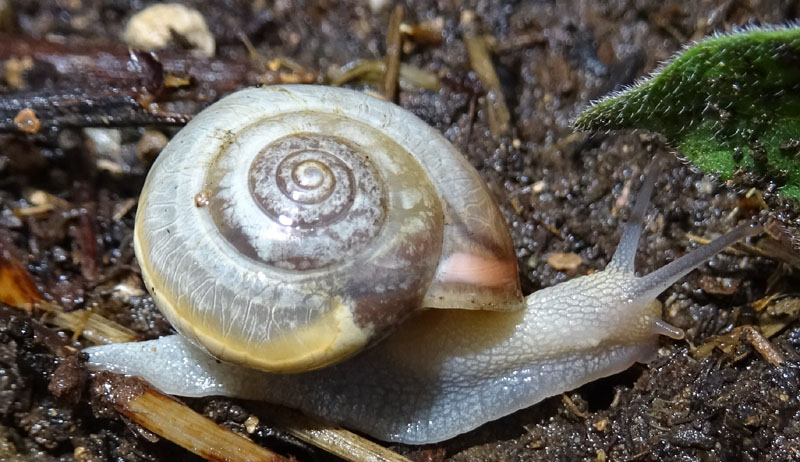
[(285, 228)]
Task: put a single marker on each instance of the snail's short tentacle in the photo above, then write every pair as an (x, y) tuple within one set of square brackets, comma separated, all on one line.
[(626, 250), (661, 327)]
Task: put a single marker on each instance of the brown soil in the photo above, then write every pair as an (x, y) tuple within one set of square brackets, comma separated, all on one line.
[(559, 193)]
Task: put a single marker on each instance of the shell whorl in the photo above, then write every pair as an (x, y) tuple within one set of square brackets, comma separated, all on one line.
[(319, 190)]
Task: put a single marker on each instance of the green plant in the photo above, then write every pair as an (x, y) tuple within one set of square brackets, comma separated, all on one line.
[(730, 103)]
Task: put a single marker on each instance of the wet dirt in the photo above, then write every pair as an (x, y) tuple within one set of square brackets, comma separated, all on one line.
[(560, 192)]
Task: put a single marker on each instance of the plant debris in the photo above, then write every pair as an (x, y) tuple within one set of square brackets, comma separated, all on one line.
[(481, 62)]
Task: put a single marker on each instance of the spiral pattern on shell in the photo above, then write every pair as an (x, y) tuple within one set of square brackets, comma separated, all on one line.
[(320, 190)]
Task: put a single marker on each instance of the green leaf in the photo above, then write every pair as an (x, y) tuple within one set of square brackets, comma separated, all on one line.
[(730, 103)]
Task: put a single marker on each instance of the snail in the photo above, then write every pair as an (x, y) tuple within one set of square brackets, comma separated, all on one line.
[(322, 249)]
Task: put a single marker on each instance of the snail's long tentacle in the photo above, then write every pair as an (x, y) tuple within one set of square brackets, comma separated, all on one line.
[(626, 250), (648, 287)]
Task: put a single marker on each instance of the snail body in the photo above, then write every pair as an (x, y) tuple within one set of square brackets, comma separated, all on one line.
[(437, 241)]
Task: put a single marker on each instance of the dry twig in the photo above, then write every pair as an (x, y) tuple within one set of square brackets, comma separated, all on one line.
[(335, 440), (481, 62), (394, 42), (172, 420), (106, 84)]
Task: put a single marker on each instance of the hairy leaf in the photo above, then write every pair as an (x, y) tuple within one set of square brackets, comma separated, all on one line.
[(730, 103)]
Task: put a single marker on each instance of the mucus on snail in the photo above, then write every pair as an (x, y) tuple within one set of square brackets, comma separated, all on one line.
[(287, 228)]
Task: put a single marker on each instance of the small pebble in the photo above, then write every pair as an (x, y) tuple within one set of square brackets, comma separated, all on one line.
[(27, 122), (150, 145), (152, 28), (251, 424), (564, 261)]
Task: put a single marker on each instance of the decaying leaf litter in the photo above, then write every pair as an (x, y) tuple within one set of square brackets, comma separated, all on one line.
[(561, 193)]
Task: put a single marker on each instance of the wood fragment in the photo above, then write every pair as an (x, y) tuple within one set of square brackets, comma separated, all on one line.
[(415, 78), (762, 303), (761, 344), (553, 230), (106, 84), (85, 232), (175, 422), (394, 42), (92, 326), (602, 425), (297, 72), (112, 64), (33, 211), (573, 407), (85, 107), (41, 197), (481, 62), (569, 261), (517, 41), (335, 440), (16, 286), (751, 204), (718, 285), (428, 32), (371, 71), (780, 250), (729, 343), (121, 209), (27, 122), (776, 313)]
